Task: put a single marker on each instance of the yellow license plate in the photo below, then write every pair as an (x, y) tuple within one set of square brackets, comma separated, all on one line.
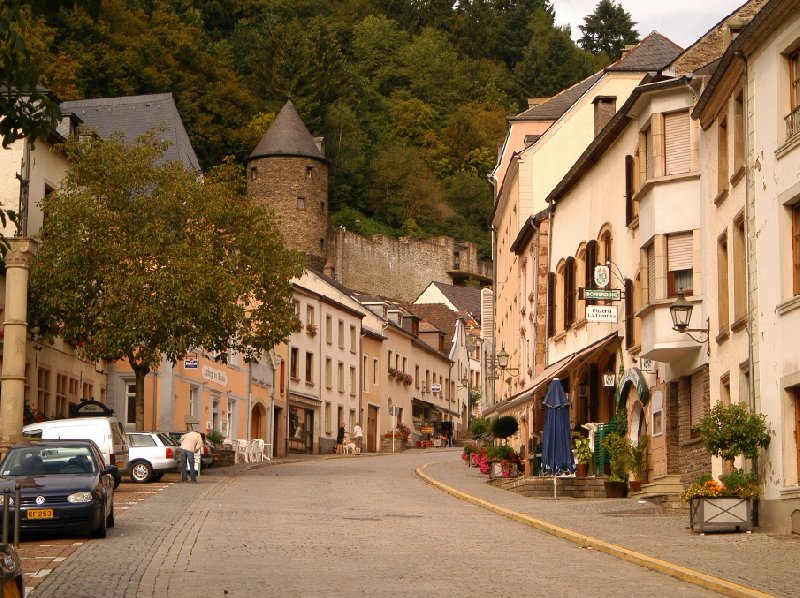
[(40, 514)]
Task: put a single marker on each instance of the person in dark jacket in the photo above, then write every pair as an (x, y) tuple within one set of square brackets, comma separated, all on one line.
[(340, 439)]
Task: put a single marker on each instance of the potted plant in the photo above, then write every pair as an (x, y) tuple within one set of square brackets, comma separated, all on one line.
[(583, 455), (618, 448), (728, 432), (638, 463)]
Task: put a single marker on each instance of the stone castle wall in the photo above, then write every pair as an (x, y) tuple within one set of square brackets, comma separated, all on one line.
[(400, 268)]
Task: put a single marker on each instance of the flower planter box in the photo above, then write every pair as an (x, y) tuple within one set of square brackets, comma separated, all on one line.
[(616, 489), (497, 471), (721, 514)]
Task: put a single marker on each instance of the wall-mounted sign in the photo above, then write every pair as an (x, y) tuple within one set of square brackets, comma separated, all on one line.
[(214, 375), (602, 294), (648, 365), (394, 410), (190, 364), (602, 276), (609, 380), (601, 313), (436, 388)]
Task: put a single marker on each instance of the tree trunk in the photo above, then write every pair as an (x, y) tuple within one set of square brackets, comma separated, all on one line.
[(141, 372)]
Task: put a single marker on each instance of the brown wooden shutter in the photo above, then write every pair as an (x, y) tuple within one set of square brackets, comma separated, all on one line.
[(698, 399), (628, 189), (551, 304), (650, 162), (628, 313), (569, 293), (796, 250), (676, 143), (591, 262)]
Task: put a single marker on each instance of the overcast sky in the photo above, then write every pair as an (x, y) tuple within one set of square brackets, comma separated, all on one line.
[(682, 21)]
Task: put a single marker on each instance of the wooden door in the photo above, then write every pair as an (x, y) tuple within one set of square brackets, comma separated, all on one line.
[(372, 429)]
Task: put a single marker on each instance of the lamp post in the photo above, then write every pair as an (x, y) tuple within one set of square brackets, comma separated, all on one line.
[(681, 313)]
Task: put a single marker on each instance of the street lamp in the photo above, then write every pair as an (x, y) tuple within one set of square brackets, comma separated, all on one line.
[(681, 313), (500, 362)]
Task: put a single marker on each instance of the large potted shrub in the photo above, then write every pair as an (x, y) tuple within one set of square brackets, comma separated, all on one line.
[(618, 448), (583, 455), (637, 466), (728, 432)]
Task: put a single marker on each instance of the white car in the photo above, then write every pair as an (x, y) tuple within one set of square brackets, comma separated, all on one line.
[(152, 454)]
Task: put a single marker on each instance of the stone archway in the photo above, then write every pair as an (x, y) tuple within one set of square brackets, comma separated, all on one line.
[(258, 421)]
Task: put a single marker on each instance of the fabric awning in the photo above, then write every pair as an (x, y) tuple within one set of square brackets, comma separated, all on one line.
[(551, 372)]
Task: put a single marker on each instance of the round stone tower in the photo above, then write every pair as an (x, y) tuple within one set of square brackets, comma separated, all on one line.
[(288, 171)]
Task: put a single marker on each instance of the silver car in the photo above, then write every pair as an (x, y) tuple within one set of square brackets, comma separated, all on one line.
[(152, 454)]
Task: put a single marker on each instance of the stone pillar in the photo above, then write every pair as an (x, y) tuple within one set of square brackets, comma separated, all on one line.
[(18, 263)]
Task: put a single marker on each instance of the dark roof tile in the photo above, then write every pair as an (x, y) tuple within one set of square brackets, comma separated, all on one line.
[(287, 136)]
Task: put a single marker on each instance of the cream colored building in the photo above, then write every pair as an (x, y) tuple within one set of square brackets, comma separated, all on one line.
[(553, 135), (750, 114)]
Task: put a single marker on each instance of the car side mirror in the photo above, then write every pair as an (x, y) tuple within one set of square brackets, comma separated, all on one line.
[(110, 469)]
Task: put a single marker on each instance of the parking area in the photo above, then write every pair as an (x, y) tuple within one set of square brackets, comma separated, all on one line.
[(41, 555)]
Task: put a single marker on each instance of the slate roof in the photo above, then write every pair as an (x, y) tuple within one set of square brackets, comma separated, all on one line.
[(134, 116), (437, 314), (556, 106), (463, 298), (653, 53), (287, 136)]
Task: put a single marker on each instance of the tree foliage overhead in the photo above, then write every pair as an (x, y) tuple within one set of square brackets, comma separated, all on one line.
[(140, 260), (608, 30), (434, 78)]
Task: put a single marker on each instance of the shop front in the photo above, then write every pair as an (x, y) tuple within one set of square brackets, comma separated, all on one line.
[(301, 417)]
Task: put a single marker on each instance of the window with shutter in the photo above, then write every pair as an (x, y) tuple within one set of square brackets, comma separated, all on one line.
[(796, 248), (629, 341), (591, 262), (722, 156), (676, 143), (651, 274), (569, 293), (722, 283), (679, 264), (551, 304), (628, 189), (650, 162)]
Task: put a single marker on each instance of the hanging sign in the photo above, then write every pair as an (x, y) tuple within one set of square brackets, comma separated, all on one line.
[(602, 294), (602, 275), (609, 380), (190, 363), (436, 388), (601, 313)]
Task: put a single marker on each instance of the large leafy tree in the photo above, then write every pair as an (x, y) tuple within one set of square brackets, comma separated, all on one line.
[(140, 260), (608, 30)]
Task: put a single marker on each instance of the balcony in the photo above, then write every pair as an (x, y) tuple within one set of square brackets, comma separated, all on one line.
[(659, 341), (792, 121)]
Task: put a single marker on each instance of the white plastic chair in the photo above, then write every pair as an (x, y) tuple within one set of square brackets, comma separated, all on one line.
[(259, 450), (241, 447)]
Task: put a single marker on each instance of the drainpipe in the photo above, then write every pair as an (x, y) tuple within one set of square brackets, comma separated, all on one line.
[(249, 399), (550, 216)]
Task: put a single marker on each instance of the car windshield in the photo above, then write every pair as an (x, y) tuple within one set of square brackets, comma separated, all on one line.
[(47, 460)]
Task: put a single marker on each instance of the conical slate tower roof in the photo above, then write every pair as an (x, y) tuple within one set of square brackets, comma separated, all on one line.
[(287, 136)]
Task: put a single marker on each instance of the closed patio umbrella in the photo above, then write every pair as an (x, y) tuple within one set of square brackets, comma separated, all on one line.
[(556, 438)]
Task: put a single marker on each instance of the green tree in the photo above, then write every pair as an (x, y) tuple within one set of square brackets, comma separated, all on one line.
[(608, 30), (142, 260)]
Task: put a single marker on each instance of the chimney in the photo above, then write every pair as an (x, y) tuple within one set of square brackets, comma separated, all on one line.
[(533, 102), (626, 50), (604, 109)]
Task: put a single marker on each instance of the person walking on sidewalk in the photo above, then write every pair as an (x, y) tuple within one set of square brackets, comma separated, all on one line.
[(191, 445), (358, 435), (340, 440)]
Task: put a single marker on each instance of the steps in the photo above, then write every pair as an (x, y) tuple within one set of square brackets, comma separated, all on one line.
[(542, 487), (664, 492)]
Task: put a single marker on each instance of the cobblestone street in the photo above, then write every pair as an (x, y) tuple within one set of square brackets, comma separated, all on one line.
[(365, 526)]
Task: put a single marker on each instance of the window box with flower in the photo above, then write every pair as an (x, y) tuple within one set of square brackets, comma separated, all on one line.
[(311, 329)]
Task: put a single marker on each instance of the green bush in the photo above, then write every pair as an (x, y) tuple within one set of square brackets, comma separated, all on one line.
[(733, 430), (215, 436), (504, 426), (618, 448), (479, 427)]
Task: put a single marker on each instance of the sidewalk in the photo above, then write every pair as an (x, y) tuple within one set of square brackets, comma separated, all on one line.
[(738, 564)]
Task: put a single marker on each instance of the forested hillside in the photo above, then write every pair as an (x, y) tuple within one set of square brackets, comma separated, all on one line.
[(410, 95)]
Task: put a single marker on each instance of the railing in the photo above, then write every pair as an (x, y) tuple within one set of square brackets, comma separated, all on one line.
[(792, 123)]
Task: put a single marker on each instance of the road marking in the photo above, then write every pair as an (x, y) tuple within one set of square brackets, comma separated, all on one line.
[(693, 576)]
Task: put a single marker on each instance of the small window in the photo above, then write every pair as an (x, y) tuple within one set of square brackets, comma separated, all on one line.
[(253, 173), (309, 171), (796, 249), (301, 203), (309, 366), (679, 264), (322, 207)]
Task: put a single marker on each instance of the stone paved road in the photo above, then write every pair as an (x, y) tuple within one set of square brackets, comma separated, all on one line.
[(360, 526)]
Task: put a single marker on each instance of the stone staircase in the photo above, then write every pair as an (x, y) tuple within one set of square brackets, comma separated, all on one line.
[(664, 492)]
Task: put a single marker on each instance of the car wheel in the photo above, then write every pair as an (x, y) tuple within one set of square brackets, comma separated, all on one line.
[(100, 530), (141, 472), (110, 518)]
